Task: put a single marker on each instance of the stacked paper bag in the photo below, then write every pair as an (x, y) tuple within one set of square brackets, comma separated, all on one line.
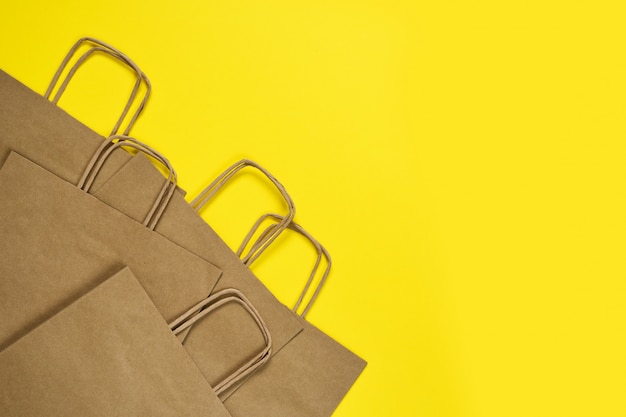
[(117, 298)]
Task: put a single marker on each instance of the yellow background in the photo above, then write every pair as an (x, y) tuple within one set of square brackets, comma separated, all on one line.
[(462, 161)]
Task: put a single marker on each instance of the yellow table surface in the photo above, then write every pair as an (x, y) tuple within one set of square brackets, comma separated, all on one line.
[(463, 162)]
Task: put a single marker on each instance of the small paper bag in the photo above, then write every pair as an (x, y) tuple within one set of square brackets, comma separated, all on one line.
[(110, 353)]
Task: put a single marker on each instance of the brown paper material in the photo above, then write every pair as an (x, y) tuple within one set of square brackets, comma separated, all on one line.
[(208, 306), (310, 375), (47, 135), (181, 224), (58, 242), (110, 353), (307, 376)]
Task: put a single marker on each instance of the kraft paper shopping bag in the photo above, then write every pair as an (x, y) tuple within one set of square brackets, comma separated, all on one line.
[(109, 353), (57, 242), (310, 375), (44, 133)]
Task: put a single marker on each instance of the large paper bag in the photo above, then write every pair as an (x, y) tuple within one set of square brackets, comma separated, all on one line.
[(309, 376), (110, 353), (44, 133), (58, 242)]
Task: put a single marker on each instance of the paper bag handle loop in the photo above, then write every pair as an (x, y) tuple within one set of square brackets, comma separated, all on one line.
[(321, 253), (115, 53), (106, 149), (211, 304), (203, 198)]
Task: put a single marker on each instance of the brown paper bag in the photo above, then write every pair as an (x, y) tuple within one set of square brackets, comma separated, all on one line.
[(42, 132), (110, 353), (310, 375), (181, 224), (55, 236)]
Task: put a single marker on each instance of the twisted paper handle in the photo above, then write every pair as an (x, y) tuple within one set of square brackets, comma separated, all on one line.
[(104, 152), (203, 198), (321, 252), (115, 53), (209, 305)]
